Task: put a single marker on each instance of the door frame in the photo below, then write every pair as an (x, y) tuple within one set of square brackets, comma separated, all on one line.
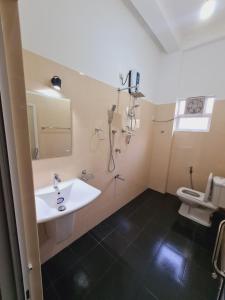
[(11, 279), (13, 97)]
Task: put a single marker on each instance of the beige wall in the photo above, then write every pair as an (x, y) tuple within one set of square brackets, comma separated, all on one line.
[(173, 154), (161, 147), (205, 151), (90, 101)]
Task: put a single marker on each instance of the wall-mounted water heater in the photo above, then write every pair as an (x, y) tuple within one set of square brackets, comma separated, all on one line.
[(134, 81)]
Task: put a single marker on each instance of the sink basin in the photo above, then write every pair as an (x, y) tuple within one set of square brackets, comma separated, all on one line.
[(71, 196)]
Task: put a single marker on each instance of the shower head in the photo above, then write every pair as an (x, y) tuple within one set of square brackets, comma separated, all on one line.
[(137, 94), (134, 106), (110, 114), (113, 107)]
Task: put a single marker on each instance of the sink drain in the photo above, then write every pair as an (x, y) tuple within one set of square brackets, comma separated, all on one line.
[(61, 208)]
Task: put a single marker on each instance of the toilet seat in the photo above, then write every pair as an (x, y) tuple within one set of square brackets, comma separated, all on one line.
[(189, 194), (194, 206), (198, 206), (192, 193), (194, 198)]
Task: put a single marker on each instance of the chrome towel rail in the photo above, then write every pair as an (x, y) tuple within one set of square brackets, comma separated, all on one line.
[(53, 127)]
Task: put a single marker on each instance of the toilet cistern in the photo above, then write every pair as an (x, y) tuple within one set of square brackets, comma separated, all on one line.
[(56, 181)]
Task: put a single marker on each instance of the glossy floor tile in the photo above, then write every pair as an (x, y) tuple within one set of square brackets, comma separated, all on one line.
[(144, 251)]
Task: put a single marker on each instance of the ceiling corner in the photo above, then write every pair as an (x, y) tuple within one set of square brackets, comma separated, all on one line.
[(157, 23)]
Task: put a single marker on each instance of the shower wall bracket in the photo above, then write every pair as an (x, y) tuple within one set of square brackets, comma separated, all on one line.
[(135, 94)]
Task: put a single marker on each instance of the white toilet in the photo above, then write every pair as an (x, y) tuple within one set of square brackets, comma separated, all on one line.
[(198, 206)]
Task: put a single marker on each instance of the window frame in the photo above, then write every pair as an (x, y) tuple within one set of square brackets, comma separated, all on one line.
[(179, 116)]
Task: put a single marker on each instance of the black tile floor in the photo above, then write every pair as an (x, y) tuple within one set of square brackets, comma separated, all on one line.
[(144, 251)]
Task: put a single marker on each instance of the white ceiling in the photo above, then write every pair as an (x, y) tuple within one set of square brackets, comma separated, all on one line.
[(176, 23)]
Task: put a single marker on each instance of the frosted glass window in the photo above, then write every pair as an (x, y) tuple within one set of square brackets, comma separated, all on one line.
[(193, 122)]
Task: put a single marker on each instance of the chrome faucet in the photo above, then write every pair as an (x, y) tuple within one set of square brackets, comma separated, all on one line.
[(56, 181)]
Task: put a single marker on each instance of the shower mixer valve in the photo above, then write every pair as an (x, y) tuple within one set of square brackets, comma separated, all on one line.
[(119, 177), (111, 113)]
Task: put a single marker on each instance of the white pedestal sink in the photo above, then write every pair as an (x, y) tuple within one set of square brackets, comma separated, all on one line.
[(55, 208)]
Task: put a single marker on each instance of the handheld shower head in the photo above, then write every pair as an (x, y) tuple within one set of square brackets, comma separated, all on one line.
[(110, 114), (113, 107)]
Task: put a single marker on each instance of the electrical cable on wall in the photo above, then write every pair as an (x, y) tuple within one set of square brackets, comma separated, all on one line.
[(124, 82), (164, 121)]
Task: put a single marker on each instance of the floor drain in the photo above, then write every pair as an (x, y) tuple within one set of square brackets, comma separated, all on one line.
[(61, 208)]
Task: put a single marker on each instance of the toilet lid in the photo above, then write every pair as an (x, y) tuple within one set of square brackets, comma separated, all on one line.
[(208, 188)]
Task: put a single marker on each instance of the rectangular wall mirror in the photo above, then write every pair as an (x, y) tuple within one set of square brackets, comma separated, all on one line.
[(50, 126)]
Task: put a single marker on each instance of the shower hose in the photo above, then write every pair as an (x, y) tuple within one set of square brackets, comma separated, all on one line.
[(111, 164)]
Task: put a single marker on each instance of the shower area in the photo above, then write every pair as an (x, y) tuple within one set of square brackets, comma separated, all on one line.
[(126, 123)]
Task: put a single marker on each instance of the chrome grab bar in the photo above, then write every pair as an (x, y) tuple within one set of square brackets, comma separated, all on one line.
[(216, 251), (215, 257)]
